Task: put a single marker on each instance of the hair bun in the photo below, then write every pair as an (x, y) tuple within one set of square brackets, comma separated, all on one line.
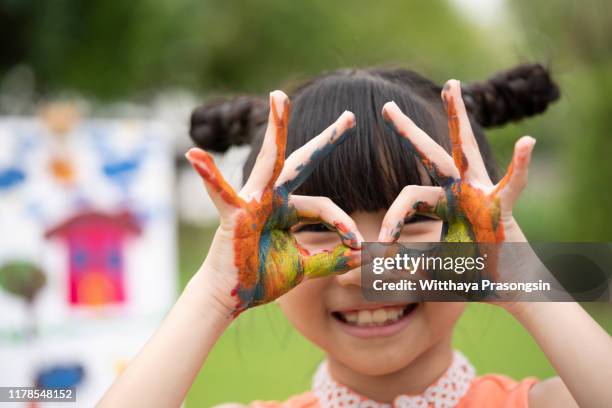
[(222, 123), (511, 95)]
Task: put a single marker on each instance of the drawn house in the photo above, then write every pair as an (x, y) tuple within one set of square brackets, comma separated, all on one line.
[(96, 251)]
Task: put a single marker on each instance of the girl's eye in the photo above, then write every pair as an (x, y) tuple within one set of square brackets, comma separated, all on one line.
[(312, 228), (417, 218)]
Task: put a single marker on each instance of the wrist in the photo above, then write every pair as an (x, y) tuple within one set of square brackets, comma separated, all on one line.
[(528, 313), (210, 293), (513, 232), (519, 310)]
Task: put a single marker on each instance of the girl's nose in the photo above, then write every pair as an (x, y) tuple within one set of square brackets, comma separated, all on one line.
[(352, 277)]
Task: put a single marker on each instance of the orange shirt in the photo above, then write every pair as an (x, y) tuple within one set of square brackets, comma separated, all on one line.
[(491, 390)]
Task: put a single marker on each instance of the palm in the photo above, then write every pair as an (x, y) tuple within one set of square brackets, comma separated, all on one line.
[(267, 259), (474, 214), (472, 207)]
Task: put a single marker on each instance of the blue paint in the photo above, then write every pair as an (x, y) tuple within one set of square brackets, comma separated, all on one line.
[(120, 169), (306, 168), (11, 177), (61, 376)]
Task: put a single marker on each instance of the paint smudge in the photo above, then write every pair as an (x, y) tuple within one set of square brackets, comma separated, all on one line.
[(267, 256)]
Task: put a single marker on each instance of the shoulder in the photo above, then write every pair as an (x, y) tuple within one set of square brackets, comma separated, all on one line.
[(499, 391), (551, 393), (305, 400)]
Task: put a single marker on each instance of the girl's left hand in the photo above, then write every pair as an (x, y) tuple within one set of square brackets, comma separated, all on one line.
[(471, 206)]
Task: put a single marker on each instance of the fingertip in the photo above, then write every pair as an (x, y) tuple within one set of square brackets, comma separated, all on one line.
[(523, 150), (279, 99), (278, 95), (189, 154), (348, 118), (195, 154), (388, 108), (192, 151), (452, 86), (525, 144), (531, 141), (201, 161)]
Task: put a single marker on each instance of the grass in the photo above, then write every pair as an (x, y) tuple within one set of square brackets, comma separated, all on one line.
[(261, 356)]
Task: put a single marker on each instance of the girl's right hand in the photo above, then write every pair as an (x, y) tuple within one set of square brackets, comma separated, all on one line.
[(254, 257)]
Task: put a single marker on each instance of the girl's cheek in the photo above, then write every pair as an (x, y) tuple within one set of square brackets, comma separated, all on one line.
[(442, 316), (305, 308)]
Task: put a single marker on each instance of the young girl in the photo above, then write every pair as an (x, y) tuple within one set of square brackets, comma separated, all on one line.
[(391, 166)]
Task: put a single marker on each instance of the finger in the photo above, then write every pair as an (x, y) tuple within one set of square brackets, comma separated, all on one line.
[(323, 209), (341, 259), (271, 157), (514, 181), (222, 194), (301, 163), (436, 160), (466, 154), (427, 200)]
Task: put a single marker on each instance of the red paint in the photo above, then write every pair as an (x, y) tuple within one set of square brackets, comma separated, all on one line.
[(96, 255)]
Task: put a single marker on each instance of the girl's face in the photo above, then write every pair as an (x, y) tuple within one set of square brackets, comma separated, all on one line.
[(368, 338)]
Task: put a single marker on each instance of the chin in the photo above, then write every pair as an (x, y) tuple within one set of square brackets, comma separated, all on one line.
[(377, 362), (379, 349)]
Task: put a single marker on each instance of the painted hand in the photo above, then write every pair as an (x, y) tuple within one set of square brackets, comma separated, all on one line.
[(253, 247), (472, 207)]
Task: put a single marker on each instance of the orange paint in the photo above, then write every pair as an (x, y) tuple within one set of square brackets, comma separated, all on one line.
[(249, 225), (246, 244), (205, 166), (267, 257), (454, 128), (481, 211), (62, 170), (280, 126), (502, 183)]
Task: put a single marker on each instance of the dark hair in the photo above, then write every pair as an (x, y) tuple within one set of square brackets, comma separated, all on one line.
[(370, 168)]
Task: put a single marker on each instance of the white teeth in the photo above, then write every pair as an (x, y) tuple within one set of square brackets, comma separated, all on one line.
[(379, 316), (374, 317), (351, 317), (365, 317)]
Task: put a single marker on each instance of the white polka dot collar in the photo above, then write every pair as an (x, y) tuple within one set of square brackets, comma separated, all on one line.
[(446, 392)]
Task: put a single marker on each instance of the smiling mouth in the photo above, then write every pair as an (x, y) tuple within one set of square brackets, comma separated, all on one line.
[(380, 317)]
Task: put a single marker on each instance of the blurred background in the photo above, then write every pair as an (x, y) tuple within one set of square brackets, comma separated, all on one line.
[(158, 59)]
